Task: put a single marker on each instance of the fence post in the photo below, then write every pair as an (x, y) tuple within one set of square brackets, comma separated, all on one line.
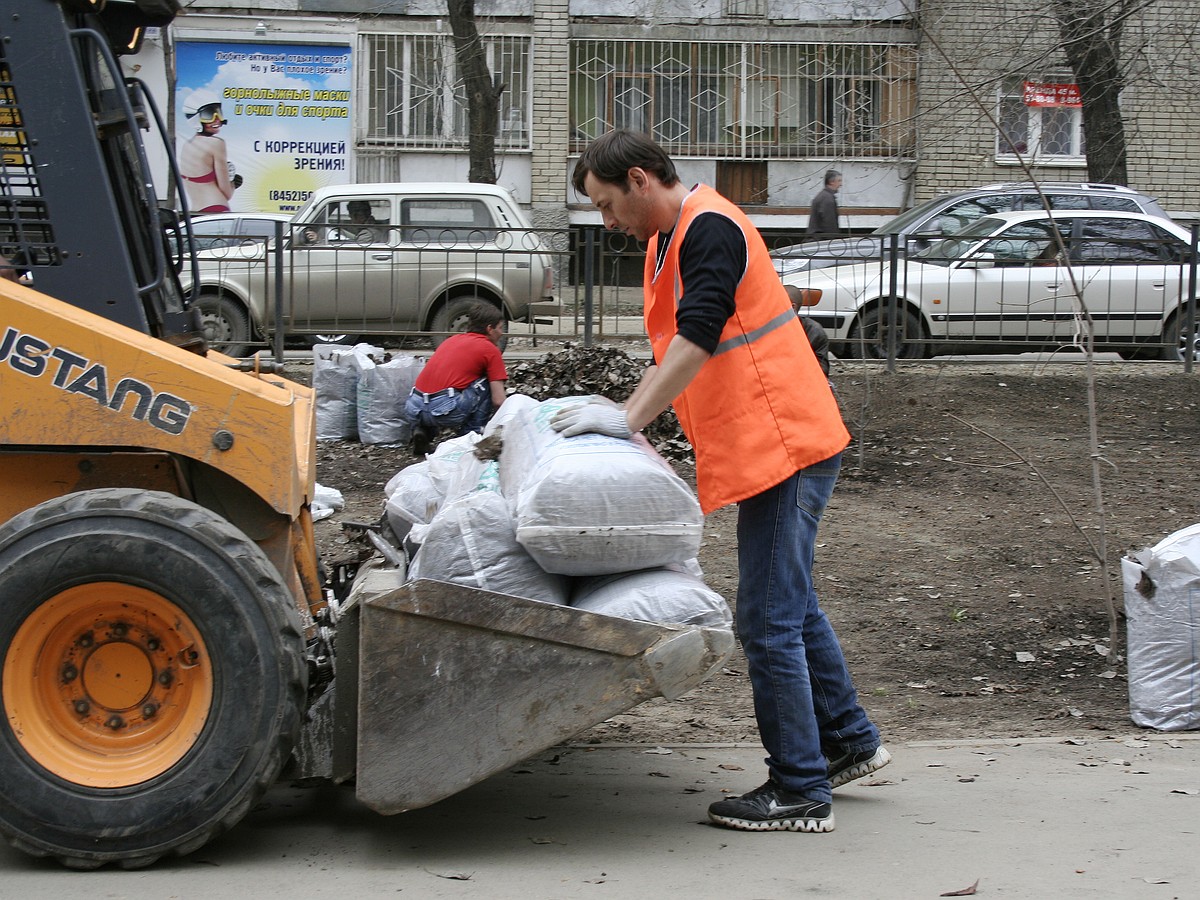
[(589, 279), (893, 259), (277, 336), (1187, 328)]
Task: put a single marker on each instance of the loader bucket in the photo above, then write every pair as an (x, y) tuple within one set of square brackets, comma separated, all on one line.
[(457, 684)]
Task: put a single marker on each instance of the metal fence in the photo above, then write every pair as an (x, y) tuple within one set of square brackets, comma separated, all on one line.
[(877, 298), (1115, 284)]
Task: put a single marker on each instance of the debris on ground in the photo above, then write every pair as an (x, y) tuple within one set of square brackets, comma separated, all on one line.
[(607, 371)]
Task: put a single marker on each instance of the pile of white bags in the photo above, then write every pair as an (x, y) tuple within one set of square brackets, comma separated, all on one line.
[(590, 520), (1163, 632), (360, 393)]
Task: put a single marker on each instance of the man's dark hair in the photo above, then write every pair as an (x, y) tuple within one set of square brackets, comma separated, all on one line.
[(832, 175), (481, 315), (610, 157)]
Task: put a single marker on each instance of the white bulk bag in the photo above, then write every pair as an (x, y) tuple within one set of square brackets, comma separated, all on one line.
[(594, 504), (417, 492), (471, 541), (654, 595), (382, 391), (1163, 632)]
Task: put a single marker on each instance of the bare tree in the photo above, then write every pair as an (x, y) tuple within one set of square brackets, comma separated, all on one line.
[(1129, 59), (483, 93), (1091, 32)]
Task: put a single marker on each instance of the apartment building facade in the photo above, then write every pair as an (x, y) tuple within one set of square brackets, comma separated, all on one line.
[(756, 97)]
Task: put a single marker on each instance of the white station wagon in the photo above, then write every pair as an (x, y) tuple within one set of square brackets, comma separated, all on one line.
[(375, 259), (1006, 280)]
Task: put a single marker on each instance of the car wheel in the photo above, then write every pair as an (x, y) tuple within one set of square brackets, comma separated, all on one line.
[(1175, 344), (341, 340), (226, 324), (152, 677), (868, 337), (452, 317)]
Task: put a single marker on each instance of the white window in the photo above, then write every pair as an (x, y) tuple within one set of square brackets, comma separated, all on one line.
[(1040, 121), (414, 96), (717, 98)]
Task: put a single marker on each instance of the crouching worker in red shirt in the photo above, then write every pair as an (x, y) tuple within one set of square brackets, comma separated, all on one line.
[(462, 385)]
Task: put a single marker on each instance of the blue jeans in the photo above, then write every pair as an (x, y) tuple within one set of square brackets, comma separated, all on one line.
[(460, 411), (805, 703)]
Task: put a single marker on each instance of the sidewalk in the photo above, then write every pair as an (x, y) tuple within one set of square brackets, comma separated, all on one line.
[(1106, 818)]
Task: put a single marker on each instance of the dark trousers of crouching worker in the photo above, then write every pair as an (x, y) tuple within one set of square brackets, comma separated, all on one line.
[(458, 409)]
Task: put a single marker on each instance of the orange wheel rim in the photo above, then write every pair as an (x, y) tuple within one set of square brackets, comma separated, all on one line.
[(107, 685)]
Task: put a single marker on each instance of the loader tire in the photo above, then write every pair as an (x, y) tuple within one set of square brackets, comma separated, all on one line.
[(152, 676)]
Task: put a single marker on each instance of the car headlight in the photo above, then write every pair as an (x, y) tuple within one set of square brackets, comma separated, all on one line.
[(790, 265)]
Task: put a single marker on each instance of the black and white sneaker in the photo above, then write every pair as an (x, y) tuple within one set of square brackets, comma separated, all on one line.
[(771, 808), (847, 768)]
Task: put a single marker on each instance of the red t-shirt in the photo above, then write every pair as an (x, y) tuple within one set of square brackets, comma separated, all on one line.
[(460, 360)]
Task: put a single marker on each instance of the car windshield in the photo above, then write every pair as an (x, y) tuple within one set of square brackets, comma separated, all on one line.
[(903, 223), (946, 251)]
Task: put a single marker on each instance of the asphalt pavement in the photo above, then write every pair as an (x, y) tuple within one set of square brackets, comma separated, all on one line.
[(1092, 816)]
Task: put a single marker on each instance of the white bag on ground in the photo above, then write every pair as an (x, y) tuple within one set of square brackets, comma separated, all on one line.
[(1163, 632), (654, 595), (383, 389), (593, 504), (471, 541), (325, 502)]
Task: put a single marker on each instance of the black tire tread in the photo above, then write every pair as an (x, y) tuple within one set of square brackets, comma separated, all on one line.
[(220, 535)]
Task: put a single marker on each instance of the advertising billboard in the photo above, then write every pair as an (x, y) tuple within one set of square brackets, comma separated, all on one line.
[(261, 125)]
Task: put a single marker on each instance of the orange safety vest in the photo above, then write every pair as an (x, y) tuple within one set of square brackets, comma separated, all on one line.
[(760, 408)]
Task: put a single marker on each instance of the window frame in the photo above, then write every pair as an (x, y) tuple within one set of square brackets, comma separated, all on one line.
[(1011, 92)]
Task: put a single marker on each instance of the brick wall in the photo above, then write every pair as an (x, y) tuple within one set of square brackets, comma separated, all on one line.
[(966, 48)]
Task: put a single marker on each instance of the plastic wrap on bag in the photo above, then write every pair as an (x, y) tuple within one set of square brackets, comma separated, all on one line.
[(1162, 608), (471, 541), (593, 504), (417, 492), (664, 596), (336, 371), (382, 390)]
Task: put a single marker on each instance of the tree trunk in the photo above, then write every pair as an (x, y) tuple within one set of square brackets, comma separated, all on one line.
[(483, 94), (1091, 36)]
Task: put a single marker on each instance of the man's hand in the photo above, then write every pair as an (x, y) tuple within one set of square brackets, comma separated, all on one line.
[(595, 417)]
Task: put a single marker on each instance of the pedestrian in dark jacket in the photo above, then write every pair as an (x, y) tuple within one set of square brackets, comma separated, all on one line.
[(823, 217)]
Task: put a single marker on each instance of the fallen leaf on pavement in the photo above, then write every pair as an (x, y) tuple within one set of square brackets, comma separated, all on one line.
[(453, 876), (965, 892)]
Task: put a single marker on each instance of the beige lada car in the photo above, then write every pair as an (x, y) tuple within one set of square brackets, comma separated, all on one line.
[(374, 260)]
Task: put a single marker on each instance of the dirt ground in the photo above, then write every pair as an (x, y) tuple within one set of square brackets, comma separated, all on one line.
[(958, 559)]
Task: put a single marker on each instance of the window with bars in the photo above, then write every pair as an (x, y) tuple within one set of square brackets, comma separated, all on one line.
[(749, 99), (1044, 134), (414, 95)]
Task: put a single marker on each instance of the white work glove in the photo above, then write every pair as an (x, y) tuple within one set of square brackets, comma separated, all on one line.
[(598, 417)]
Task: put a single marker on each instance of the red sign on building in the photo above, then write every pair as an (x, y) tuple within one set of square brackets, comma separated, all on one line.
[(1042, 94)]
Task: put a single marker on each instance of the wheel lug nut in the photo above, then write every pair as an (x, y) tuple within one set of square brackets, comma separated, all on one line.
[(149, 711), (87, 639), (82, 707), (115, 722), (69, 673)]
